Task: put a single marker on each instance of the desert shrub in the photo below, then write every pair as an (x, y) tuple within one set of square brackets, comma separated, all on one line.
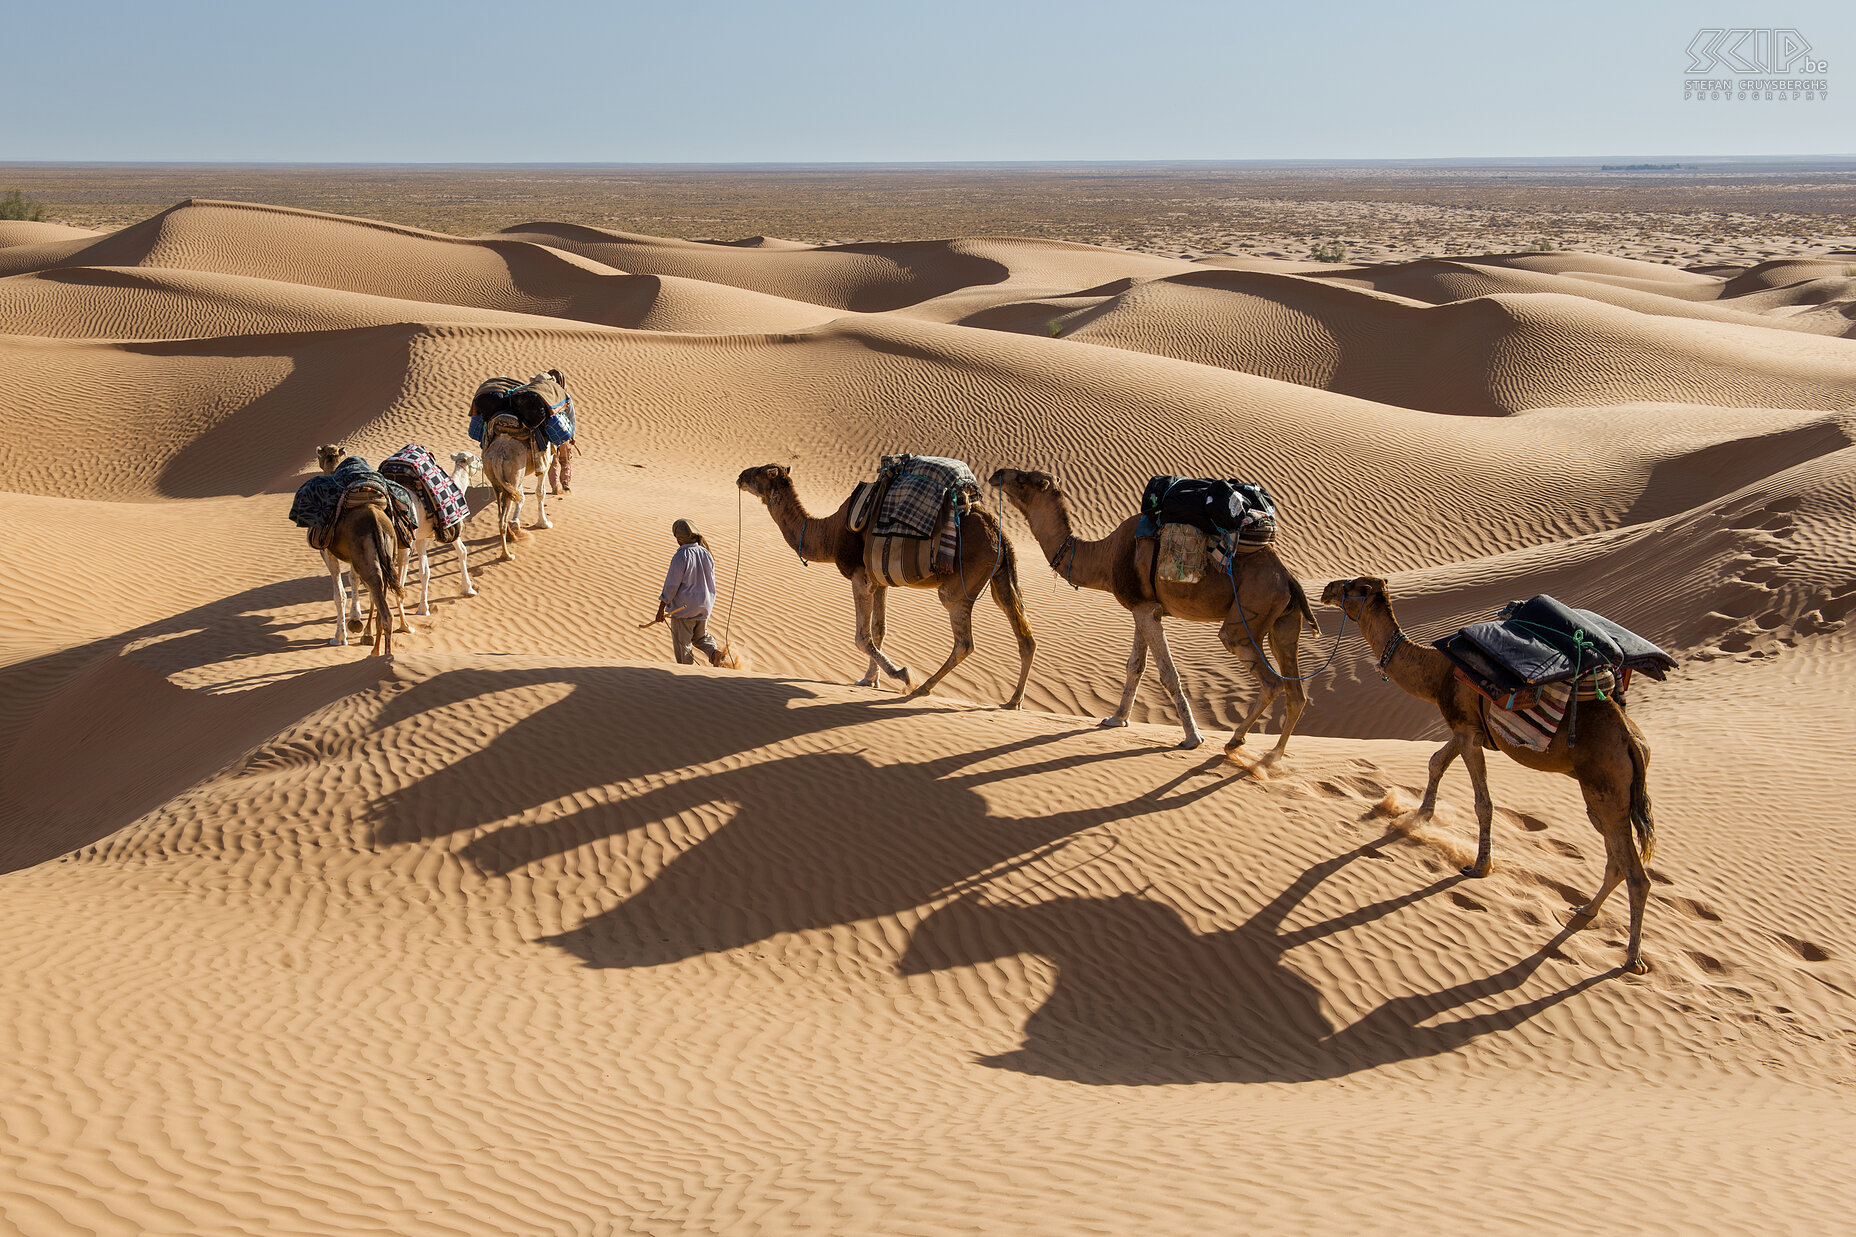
[(16, 205), (1328, 251), (1541, 244)]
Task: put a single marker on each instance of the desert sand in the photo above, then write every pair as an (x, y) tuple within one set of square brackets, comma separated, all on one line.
[(527, 930)]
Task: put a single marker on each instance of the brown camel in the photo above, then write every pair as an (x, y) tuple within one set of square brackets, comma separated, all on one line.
[(1611, 760), (364, 540), (328, 458), (986, 557), (1257, 597)]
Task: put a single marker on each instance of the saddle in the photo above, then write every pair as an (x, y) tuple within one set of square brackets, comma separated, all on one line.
[(508, 425), (1539, 658), (362, 494)]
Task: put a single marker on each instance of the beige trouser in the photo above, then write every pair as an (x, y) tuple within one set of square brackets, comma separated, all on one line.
[(686, 634)]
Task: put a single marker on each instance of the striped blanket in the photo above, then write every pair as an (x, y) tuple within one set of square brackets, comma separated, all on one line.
[(1534, 725), (415, 468), (919, 488)]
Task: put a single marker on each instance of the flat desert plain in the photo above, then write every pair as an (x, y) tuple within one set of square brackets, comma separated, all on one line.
[(527, 930)]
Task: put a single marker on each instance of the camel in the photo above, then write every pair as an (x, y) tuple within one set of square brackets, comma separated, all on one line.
[(328, 459), (464, 464), (364, 539), (986, 557), (513, 448), (1257, 597), (1610, 761), (509, 456)]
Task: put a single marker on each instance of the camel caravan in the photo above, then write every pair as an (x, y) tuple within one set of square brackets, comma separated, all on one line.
[(368, 523), (1542, 683)]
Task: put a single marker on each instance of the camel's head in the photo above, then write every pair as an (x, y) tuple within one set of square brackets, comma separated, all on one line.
[(328, 456), (469, 463), (1353, 596), (1022, 488), (763, 481)]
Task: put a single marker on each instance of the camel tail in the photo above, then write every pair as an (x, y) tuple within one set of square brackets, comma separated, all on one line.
[(1642, 819), (1300, 598), (381, 535), (1005, 578)]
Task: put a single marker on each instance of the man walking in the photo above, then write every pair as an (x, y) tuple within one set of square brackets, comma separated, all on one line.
[(688, 596)]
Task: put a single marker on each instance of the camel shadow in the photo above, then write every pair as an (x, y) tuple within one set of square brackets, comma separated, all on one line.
[(1141, 999), (95, 736), (708, 847)]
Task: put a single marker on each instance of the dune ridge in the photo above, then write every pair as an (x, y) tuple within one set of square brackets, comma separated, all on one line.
[(529, 930)]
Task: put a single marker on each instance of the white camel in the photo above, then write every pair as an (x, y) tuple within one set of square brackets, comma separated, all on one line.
[(510, 455), (464, 467)]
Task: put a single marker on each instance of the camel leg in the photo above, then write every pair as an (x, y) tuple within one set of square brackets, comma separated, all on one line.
[(335, 576), (1286, 639), (541, 499), (466, 589), (1149, 617), (425, 578), (1236, 640), (1137, 666), (1610, 815), (862, 604), (960, 617), (1005, 592), (872, 607), (402, 565), (1440, 764), (1485, 806), (503, 521)]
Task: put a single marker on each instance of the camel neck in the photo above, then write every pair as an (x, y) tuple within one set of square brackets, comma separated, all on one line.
[(1412, 666), (1081, 563), (800, 528)]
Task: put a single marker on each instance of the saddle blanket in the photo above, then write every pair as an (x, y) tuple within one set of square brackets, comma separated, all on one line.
[(947, 545), (861, 501), (919, 487), (319, 498), (415, 467), (1533, 724), (900, 561)]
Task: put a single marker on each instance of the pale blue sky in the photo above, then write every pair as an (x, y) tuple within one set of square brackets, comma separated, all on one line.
[(828, 80)]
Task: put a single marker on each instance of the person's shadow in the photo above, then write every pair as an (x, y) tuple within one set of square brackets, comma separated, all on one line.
[(1140, 998)]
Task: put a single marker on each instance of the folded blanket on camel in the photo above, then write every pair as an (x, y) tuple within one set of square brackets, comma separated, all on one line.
[(920, 486), (1529, 660), (415, 468), (491, 398), (320, 498), (540, 404), (1235, 510)]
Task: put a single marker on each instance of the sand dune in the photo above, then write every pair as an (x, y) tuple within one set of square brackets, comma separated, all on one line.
[(1716, 299), (528, 930), (1486, 355), (18, 232)]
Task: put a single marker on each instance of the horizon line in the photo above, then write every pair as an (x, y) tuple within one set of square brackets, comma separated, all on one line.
[(1492, 161)]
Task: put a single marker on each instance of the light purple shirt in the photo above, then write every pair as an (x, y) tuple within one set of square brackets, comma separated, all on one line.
[(689, 587)]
